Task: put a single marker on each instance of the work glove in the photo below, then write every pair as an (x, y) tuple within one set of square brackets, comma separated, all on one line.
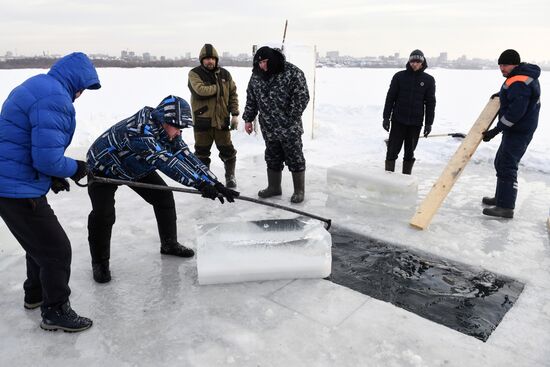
[(495, 95), (229, 194), (386, 124), (210, 192), (60, 184), (427, 130), (234, 124), (81, 171), (490, 134)]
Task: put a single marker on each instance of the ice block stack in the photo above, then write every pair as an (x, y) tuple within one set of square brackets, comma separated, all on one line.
[(352, 185)]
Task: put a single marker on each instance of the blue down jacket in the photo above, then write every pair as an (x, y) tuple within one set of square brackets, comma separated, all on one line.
[(138, 145), (37, 124)]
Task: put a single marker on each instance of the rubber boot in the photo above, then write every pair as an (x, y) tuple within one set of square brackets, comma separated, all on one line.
[(390, 166), (101, 272), (408, 166), (230, 181), (273, 184), (298, 179)]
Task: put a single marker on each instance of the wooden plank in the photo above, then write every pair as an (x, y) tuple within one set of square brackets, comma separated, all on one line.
[(450, 174)]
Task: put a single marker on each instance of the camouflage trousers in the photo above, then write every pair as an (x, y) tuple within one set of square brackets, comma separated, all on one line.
[(204, 140), (280, 150)]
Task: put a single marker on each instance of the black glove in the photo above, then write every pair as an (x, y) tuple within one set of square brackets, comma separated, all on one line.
[(427, 130), (60, 184), (229, 194), (210, 192), (490, 134), (386, 124), (81, 171), (495, 95)]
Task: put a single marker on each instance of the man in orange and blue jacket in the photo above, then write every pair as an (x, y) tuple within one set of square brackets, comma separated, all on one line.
[(518, 120)]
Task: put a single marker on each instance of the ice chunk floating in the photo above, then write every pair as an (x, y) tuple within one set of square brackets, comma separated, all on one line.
[(472, 301), (263, 250), (355, 184)]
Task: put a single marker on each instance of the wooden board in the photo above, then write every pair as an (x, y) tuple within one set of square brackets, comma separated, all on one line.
[(450, 174)]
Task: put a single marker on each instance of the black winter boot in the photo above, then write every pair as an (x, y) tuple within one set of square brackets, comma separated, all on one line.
[(298, 179), (176, 249), (230, 181), (408, 166), (489, 201), (101, 272), (273, 184), (390, 165), (499, 212), (32, 302), (63, 317)]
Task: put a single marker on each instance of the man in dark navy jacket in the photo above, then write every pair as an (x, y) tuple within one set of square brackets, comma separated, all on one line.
[(518, 120), (37, 124), (412, 91)]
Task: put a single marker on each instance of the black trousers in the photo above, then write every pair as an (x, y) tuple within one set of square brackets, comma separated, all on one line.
[(34, 224), (402, 134), (102, 217)]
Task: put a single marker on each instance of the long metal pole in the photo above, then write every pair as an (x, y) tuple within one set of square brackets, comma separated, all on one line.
[(113, 181)]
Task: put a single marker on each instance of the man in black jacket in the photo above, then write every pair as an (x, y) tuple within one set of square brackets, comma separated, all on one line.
[(412, 91)]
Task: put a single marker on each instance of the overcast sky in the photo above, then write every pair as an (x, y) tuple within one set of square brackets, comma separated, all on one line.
[(476, 28)]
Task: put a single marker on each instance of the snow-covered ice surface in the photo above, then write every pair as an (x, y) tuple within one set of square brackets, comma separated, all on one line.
[(154, 312)]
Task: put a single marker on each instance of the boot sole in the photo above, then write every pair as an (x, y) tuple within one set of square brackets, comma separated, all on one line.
[(47, 327), (32, 306), (497, 216)]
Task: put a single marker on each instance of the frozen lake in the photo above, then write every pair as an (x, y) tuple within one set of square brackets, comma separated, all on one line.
[(154, 312)]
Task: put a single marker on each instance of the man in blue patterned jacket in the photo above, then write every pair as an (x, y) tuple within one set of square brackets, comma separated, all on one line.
[(278, 91), (518, 120), (37, 124), (134, 149)]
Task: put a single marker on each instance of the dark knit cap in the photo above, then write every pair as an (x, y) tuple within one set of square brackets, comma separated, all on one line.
[(509, 57), (417, 55)]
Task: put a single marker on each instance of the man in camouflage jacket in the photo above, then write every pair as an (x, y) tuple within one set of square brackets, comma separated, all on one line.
[(133, 150), (278, 91), (213, 97)]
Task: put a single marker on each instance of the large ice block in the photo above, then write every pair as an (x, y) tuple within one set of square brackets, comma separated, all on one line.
[(263, 250), (357, 184)]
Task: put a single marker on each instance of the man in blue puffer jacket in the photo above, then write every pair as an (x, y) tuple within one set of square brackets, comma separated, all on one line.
[(518, 120), (37, 123), (132, 150)]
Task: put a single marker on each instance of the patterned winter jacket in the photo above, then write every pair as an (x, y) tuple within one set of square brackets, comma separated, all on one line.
[(520, 100), (137, 146), (280, 101), (37, 124), (213, 94)]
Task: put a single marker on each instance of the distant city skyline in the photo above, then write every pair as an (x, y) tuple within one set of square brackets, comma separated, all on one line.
[(356, 28)]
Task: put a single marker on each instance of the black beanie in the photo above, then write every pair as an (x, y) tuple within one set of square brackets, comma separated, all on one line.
[(509, 57), (417, 55), (263, 53)]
